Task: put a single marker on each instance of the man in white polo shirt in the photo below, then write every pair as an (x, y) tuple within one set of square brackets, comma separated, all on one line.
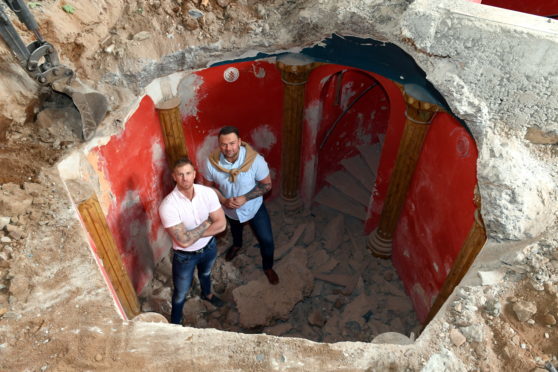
[(242, 177), (192, 215)]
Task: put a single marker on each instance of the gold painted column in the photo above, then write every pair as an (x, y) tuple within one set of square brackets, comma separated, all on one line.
[(97, 227), (471, 247), (294, 73), (418, 116), (173, 134)]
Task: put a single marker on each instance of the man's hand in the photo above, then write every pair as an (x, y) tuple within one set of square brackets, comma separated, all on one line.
[(235, 202), (238, 201)]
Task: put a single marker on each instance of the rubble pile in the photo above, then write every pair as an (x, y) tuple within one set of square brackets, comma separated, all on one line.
[(510, 318), (331, 289)]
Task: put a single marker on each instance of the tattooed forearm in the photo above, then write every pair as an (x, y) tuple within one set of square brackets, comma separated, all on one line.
[(188, 237), (258, 190)]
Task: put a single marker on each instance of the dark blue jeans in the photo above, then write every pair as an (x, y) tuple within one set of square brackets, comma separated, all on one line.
[(183, 265), (261, 225)]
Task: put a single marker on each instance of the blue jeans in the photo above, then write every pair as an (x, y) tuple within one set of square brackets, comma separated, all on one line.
[(261, 225), (183, 265)]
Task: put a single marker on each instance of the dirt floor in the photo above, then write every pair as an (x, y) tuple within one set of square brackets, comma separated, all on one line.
[(55, 310)]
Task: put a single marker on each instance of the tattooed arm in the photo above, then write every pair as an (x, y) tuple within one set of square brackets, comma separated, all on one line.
[(186, 238), (261, 188)]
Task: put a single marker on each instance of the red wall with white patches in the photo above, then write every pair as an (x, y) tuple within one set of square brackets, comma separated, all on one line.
[(438, 212), (330, 89), (361, 124), (253, 103), (134, 164), (544, 8)]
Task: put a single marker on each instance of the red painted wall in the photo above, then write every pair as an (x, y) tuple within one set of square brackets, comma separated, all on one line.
[(134, 164), (253, 103), (329, 91), (538, 7), (438, 211)]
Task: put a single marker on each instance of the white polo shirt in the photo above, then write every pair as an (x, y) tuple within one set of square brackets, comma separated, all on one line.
[(245, 181), (177, 208)]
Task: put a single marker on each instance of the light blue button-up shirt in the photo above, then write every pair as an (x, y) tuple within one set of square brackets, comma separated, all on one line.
[(245, 181)]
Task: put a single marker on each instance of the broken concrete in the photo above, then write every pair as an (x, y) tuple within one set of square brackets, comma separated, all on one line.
[(259, 303)]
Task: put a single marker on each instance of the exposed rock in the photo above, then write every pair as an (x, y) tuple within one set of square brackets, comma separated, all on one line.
[(283, 249), (445, 360), (493, 307), (329, 266), (392, 338), (13, 200), (309, 233), (194, 311), (524, 310), (549, 319), (355, 310), (259, 302), (457, 337), (333, 233), (316, 318), (399, 304), (15, 232), (491, 277), (279, 329), (540, 137), (5, 239), (150, 318), (473, 333), (142, 35), (34, 189), (337, 279), (4, 221), (223, 3)]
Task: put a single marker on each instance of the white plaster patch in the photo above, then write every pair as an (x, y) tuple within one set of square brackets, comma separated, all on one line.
[(347, 93), (158, 156), (131, 199), (363, 135), (262, 137), (209, 144), (164, 88), (259, 73), (161, 244), (69, 168), (313, 115), (188, 92)]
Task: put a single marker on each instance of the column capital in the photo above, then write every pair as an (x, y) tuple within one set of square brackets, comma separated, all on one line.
[(294, 68), (418, 111)]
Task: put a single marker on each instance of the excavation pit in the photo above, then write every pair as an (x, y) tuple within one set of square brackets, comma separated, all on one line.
[(354, 147)]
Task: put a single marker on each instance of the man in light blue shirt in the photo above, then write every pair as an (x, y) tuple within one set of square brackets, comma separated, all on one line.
[(242, 178)]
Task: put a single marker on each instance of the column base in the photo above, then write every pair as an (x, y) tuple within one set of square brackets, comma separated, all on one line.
[(378, 246), (292, 205)]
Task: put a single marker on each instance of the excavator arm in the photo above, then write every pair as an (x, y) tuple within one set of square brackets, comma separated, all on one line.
[(41, 62)]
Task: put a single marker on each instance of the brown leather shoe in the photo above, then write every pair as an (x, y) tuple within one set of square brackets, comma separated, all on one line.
[(231, 253), (272, 276)]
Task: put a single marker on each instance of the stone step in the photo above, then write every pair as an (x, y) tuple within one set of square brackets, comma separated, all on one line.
[(350, 186), (357, 167), (371, 155), (332, 198)]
